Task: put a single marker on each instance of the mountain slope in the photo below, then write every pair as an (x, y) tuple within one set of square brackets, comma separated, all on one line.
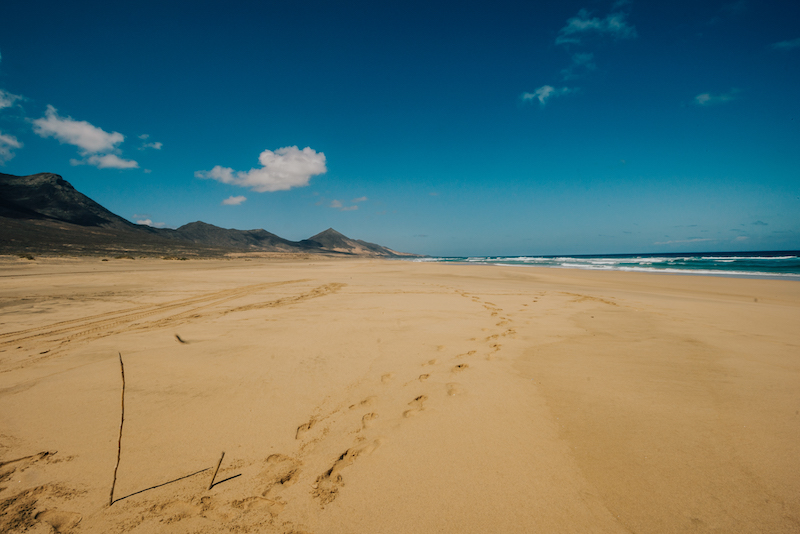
[(44, 213), (330, 239), (48, 196)]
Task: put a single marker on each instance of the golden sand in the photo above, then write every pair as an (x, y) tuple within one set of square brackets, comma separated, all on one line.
[(395, 397)]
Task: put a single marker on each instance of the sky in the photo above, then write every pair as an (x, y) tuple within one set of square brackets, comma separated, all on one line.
[(441, 128)]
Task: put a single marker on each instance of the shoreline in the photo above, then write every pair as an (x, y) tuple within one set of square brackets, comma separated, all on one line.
[(686, 272)]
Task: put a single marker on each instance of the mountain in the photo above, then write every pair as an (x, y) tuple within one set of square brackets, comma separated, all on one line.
[(330, 239), (43, 213), (208, 234), (48, 196)]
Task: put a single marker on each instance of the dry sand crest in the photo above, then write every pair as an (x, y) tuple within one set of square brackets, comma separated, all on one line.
[(379, 396)]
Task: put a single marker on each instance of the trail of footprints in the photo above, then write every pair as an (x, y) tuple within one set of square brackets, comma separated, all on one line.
[(279, 472), (328, 484)]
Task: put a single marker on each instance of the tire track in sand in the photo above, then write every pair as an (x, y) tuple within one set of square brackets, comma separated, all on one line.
[(95, 322)]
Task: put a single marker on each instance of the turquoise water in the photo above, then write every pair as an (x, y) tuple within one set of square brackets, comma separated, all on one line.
[(773, 264)]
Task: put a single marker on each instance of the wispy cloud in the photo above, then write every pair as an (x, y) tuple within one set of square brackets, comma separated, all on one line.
[(8, 143), (360, 199), (613, 24), (708, 99), (281, 170), (759, 223), (148, 222), (106, 161), (7, 99), (574, 32), (233, 201), (157, 144), (787, 45), (337, 204), (545, 92), (582, 64), (95, 144)]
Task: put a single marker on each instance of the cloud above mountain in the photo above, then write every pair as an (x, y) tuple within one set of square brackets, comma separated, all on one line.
[(98, 147), (281, 170), (8, 143)]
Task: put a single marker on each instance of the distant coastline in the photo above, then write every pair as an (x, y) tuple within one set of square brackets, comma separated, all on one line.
[(780, 264)]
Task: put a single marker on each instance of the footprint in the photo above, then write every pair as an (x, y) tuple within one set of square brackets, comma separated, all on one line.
[(417, 405), (176, 511), (326, 488), (281, 471), (454, 388), (431, 362), (423, 377), (208, 509), (387, 378), (60, 521), (305, 427), (259, 503), (460, 367), (441, 348), (366, 421)]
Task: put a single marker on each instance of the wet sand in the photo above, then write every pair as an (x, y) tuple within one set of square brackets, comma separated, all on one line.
[(385, 396)]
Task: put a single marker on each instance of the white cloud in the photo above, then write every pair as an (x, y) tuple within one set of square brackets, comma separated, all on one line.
[(614, 24), (707, 99), (157, 145), (233, 201), (8, 143), (98, 147), (281, 170), (106, 161), (7, 99), (336, 204), (144, 136), (787, 45), (90, 139), (148, 222), (545, 92)]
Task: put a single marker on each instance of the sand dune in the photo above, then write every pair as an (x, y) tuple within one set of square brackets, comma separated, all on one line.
[(384, 396)]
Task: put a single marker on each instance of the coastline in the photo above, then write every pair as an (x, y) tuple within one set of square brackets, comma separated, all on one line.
[(783, 264), (450, 399)]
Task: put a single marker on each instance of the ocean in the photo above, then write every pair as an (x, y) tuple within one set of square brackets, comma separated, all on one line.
[(773, 264)]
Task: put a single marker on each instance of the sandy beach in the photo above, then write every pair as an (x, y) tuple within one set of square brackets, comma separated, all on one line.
[(374, 396)]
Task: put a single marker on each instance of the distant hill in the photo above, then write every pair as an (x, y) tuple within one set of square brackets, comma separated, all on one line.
[(43, 213), (330, 239)]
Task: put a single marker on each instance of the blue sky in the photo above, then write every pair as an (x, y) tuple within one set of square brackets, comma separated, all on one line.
[(469, 128)]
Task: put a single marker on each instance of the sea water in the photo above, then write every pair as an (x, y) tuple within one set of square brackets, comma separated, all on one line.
[(772, 264)]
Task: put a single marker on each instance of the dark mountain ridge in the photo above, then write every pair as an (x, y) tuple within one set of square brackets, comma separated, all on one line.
[(43, 213)]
